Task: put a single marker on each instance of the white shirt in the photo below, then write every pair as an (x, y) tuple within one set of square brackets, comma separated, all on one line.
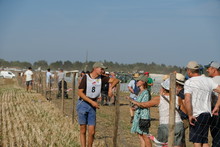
[(164, 111), (48, 76), (28, 75), (200, 88), (132, 85)]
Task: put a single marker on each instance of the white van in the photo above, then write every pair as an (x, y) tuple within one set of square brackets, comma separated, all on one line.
[(7, 74)]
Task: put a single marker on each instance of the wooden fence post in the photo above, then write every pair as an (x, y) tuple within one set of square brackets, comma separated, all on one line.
[(172, 109), (62, 96), (117, 105), (73, 95)]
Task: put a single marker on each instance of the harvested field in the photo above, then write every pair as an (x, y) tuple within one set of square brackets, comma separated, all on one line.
[(27, 119)]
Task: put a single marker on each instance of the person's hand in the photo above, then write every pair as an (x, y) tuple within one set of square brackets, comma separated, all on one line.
[(128, 98), (215, 110), (192, 120), (95, 104), (110, 93)]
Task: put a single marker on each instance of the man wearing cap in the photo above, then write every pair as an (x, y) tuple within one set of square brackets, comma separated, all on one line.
[(150, 83), (197, 91), (213, 70), (89, 91)]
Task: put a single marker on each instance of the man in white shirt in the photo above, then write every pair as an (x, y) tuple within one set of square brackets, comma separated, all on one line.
[(198, 90), (28, 75), (213, 70), (48, 78), (134, 90)]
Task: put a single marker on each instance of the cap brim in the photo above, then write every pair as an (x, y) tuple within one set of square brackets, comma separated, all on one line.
[(207, 66)]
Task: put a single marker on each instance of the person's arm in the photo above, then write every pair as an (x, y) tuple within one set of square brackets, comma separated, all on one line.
[(188, 107), (217, 105), (113, 82), (181, 105), (154, 101), (85, 98), (130, 89)]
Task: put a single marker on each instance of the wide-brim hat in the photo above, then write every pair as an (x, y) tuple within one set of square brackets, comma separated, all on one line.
[(180, 78), (136, 75), (166, 84), (142, 78)]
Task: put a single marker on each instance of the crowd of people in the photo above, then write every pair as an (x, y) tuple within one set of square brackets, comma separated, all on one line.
[(197, 100), (197, 97)]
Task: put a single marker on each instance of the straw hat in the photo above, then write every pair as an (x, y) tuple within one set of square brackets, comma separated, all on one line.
[(180, 78), (136, 75)]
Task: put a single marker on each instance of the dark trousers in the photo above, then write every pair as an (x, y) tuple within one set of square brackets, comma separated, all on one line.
[(215, 130)]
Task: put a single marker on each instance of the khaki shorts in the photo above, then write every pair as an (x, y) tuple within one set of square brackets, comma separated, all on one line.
[(163, 133)]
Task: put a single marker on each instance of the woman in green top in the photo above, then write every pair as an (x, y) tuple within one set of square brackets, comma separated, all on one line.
[(142, 113)]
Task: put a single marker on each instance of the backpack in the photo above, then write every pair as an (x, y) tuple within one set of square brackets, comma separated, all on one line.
[(136, 88)]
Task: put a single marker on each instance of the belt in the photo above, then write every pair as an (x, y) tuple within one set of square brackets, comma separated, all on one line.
[(94, 99)]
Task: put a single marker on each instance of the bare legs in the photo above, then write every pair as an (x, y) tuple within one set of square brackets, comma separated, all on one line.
[(91, 131)]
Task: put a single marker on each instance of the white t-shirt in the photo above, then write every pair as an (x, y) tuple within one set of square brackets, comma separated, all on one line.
[(200, 88), (132, 85), (28, 75), (216, 79), (48, 76)]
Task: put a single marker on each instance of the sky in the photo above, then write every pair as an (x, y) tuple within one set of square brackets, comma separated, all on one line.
[(170, 32)]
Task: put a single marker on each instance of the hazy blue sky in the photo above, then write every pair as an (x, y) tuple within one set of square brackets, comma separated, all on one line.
[(170, 32)]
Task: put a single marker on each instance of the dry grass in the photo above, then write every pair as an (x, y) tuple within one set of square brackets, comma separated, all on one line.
[(27, 119)]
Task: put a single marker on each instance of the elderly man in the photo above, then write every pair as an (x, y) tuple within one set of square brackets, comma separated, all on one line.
[(89, 91), (198, 90)]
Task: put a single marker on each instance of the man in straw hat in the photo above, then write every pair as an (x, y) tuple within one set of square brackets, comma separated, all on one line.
[(197, 90), (134, 90), (213, 69), (89, 91)]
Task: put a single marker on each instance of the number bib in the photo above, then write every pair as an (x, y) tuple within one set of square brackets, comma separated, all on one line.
[(93, 87)]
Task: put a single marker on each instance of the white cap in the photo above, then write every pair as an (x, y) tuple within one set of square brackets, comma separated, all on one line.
[(213, 64)]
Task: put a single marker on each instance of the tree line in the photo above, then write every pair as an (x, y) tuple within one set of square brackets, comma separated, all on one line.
[(87, 66)]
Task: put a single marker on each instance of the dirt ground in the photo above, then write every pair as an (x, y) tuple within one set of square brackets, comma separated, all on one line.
[(105, 120)]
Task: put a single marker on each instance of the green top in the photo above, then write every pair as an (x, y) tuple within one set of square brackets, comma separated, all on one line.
[(143, 113), (149, 81)]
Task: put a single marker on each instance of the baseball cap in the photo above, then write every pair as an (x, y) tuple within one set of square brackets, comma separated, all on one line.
[(213, 64), (142, 78), (99, 64), (166, 84), (192, 65), (146, 73)]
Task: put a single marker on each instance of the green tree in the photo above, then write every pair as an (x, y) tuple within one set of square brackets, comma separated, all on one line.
[(41, 63)]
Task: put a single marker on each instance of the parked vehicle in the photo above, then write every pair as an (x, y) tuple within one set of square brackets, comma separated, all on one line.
[(7, 74)]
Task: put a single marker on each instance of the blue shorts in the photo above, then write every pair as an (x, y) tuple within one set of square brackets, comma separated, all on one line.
[(86, 113)]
